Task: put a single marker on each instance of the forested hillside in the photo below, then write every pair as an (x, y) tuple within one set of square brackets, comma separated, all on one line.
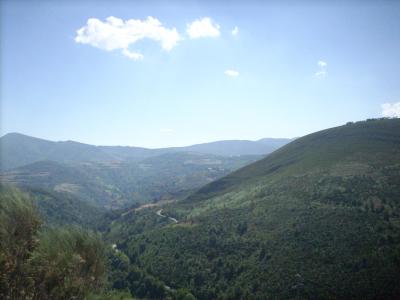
[(119, 184), (317, 219)]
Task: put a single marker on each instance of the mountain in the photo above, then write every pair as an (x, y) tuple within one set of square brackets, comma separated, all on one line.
[(275, 142), (17, 150), (121, 183), (351, 148), (317, 219), (237, 147)]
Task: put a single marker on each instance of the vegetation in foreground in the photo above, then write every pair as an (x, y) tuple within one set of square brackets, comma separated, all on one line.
[(39, 262)]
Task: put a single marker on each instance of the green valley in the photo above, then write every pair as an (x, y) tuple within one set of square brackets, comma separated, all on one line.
[(199, 150), (116, 184), (316, 219)]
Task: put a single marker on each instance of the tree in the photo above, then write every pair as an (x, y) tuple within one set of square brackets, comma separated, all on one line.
[(69, 262), (56, 263), (19, 223)]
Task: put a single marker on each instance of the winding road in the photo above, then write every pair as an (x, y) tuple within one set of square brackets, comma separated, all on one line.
[(159, 213)]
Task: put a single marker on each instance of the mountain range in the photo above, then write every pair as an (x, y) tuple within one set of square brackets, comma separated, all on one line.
[(318, 218), (116, 176), (17, 150)]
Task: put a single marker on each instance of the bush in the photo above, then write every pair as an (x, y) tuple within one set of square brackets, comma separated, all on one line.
[(19, 223), (68, 263), (61, 263)]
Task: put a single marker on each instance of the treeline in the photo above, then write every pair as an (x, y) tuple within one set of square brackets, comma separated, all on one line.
[(303, 237)]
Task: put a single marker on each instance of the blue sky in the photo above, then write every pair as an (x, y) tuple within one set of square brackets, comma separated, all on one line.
[(299, 68)]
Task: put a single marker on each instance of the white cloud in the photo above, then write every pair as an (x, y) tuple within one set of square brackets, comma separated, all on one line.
[(203, 28), (391, 110), (322, 72), (322, 64), (235, 31), (117, 34), (132, 55), (231, 73)]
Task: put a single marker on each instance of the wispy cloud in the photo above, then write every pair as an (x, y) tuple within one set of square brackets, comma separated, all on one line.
[(204, 27), (235, 31), (391, 110), (322, 72), (322, 64), (117, 34), (231, 73), (132, 55)]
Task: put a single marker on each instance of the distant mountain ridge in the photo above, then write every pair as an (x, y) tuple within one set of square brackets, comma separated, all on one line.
[(236, 147), (18, 149)]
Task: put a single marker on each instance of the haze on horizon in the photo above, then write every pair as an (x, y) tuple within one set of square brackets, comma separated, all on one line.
[(155, 75), (139, 146)]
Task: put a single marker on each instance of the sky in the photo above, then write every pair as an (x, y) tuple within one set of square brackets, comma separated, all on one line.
[(158, 74)]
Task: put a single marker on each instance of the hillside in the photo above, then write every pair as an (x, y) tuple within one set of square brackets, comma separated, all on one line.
[(58, 177), (61, 208), (353, 148), (317, 219), (237, 147), (120, 184), (17, 150)]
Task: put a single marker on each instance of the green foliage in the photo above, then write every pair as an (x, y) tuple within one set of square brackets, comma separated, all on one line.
[(126, 276), (68, 263), (317, 219), (350, 149), (62, 262), (117, 184), (61, 208), (113, 295), (19, 224), (55, 263), (184, 294)]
